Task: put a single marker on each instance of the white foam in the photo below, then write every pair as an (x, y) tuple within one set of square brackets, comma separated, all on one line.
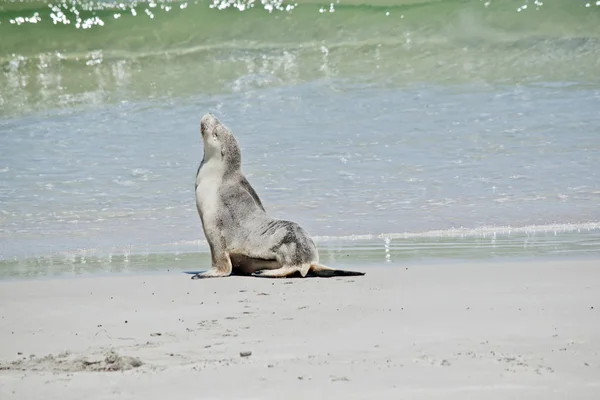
[(469, 232)]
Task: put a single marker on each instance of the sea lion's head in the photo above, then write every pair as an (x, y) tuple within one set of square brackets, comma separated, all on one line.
[(219, 142)]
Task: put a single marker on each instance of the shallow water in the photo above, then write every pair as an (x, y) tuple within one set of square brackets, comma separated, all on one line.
[(392, 132)]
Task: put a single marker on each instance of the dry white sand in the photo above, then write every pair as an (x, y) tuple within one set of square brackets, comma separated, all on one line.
[(528, 330)]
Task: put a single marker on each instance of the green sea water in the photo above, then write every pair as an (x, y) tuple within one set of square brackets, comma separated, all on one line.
[(77, 52)]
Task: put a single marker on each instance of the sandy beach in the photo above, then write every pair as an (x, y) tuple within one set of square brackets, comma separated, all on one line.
[(518, 330)]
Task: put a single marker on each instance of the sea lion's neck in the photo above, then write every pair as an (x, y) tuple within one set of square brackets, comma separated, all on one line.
[(211, 168)]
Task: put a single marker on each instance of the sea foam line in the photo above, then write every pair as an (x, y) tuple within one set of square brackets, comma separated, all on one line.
[(463, 232)]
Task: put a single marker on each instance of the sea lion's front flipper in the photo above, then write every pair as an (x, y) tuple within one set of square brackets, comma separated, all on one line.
[(211, 273)]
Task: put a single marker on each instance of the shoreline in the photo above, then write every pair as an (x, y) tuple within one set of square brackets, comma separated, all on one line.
[(428, 331), (141, 271)]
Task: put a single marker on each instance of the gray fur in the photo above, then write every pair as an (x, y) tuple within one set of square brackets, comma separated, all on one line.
[(243, 239)]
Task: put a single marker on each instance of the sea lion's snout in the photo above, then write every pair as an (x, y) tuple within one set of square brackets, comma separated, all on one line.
[(215, 137), (208, 123)]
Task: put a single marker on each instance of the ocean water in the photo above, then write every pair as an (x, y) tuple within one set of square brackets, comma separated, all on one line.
[(392, 130)]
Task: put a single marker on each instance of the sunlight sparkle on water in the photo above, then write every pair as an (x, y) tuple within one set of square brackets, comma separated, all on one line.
[(243, 5), (23, 20)]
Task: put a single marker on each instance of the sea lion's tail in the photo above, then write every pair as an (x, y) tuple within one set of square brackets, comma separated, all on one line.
[(323, 271)]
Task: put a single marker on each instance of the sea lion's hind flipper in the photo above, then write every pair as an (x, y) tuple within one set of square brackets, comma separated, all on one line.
[(326, 272), (283, 272)]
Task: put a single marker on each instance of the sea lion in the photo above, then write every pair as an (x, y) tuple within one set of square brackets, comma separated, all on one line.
[(243, 239)]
